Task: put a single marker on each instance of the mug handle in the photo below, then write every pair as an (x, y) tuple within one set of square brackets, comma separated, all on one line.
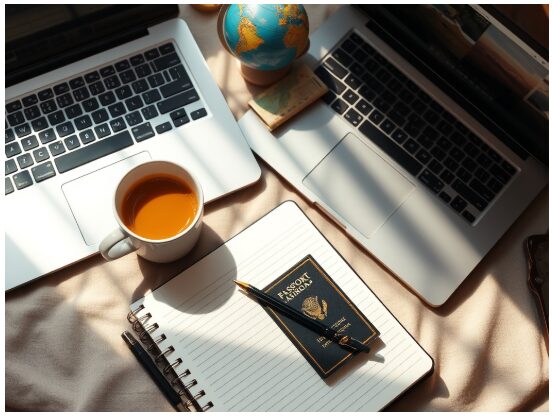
[(115, 245)]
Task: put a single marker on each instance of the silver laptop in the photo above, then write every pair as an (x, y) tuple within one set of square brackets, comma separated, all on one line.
[(92, 91), (427, 147)]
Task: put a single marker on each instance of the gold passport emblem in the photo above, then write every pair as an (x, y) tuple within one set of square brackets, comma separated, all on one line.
[(312, 308)]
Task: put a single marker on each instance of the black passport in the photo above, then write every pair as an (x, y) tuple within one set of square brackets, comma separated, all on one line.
[(308, 288)]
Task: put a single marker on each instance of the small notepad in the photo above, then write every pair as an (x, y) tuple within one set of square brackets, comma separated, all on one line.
[(238, 359)]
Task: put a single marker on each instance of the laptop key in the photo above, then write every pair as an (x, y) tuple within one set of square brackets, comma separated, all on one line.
[(445, 197), (29, 142), (199, 113), (387, 126), (329, 97), (134, 118), (500, 174), (348, 45), (10, 166), (137, 60), (64, 100), (30, 100), (102, 131), (431, 181), (181, 121), (178, 72), (482, 174), (177, 101), (10, 136), (57, 148), (508, 168), (47, 136), (447, 176), (175, 87), (22, 130), (87, 136), (342, 57), (353, 117), (117, 109), (350, 96), (152, 54), (458, 204), (164, 127), (117, 124), (376, 117), (76, 83), (16, 118), (167, 61), (364, 107), (73, 111), (8, 186), (100, 116), (411, 145), (143, 70), (335, 68), (463, 174), (390, 147), (151, 96), (43, 171), (45, 94), (482, 190), (61, 88), (107, 98), (93, 152), (339, 106), (56, 118), (457, 154), (329, 80), (140, 86), (468, 216), (83, 122), (133, 103), (449, 163), (92, 77), (128, 76), (25, 160), (156, 80), (123, 92), (423, 156), (494, 185), (143, 132), (48, 106), (39, 124), (399, 136), (112, 82), (468, 194), (12, 149), (166, 48), (81, 94), (435, 166), (22, 179), (96, 88), (71, 142), (107, 71), (65, 129)]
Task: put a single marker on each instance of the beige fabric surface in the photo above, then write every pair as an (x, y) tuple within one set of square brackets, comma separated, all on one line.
[(63, 345)]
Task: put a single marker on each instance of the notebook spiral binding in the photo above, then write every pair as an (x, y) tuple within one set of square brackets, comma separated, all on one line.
[(181, 381)]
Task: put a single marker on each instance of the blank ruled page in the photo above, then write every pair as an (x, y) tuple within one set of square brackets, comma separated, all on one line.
[(242, 359)]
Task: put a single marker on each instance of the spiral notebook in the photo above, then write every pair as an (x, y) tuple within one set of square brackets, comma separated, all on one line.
[(223, 352)]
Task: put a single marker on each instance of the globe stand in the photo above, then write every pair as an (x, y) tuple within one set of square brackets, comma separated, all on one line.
[(263, 77)]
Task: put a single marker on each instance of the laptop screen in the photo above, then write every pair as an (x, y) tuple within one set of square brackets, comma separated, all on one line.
[(40, 38), (494, 67)]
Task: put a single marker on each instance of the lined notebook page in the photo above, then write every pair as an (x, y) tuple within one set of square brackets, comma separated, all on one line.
[(237, 353)]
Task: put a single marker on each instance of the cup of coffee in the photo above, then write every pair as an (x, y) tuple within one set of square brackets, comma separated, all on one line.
[(159, 208)]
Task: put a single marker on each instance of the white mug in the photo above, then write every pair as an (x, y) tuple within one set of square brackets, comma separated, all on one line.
[(123, 241)]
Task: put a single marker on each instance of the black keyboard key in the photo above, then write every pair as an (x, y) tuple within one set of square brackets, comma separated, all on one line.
[(175, 87), (100, 116), (12, 149), (25, 160), (134, 118), (8, 186), (458, 139), (137, 60), (22, 179), (469, 164), (140, 86), (71, 142), (73, 111), (482, 190), (367, 93), (61, 88), (197, 114), (425, 140), (444, 143), (450, 164), (10, 166), (353, 117), (495, 156), (445, 197), (357, 71), (177, 101), (350, 96), (494, 185), (47, 136), (348, 45), (102, 131), (117, 124), (364, 107), (107, 98), (423, 156), (22, 130), (166, 48), (339, 106), (447, 176), (329, 97), (48, 106), (508, 168), (471, 149), (411, 145), (399, 136), (151, 96), (43, 171), (81, 94), (166, 126), (157, 80), (178, 72), (360, 55), (431, 117), (149, 112), (64, 100), (29, 100), (45, 94), (482, 174), (391, 148), (500, 174), (335, 68), (468, 194), (56, 118), (128, 76), (412, 129), (133, 103), (112, 82), (83, 122), (463, 174), (169, 60), (152, 54), (387, 126), (96, 88), (107, 71), (376, 117), (371, 66), (16, 118), (143, 132), (444, 127), (39, 124), (342, 57), (10, 136), (431, 181), (123, 92), (457, 154), (76, 83), (468, 216), (117, 109), (122, 65), (458, 204), (383, 76), (87, 136), (483, 160), (181, 121), (406, 96), (330, 81), (143, 70), (93, 152), (374, 84), (179, 113), (65, 129), (92, 77), (29, 142), (448, 117), (56, 148)]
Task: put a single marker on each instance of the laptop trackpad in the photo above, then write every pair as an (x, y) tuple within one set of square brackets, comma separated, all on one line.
[(360, 186), (91, 197)]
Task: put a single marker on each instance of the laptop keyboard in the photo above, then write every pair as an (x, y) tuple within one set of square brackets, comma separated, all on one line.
[(413, 129), (59, 128)]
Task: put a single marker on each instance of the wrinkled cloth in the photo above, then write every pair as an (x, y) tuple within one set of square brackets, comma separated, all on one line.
[(63, 346)]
